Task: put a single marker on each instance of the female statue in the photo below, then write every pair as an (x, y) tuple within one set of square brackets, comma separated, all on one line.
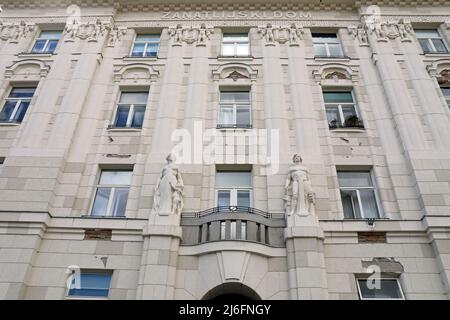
[(168, 197), (299, 196)]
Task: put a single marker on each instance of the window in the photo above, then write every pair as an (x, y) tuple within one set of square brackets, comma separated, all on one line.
[(446, 92), (131, 109), (16, 104), (358, 194), (234, 110), (145, 45), (47, 42), (341, 110), (235, 45), (327, 45), (91, 284), (223, 228), (112, 193), (383, 289), (1, 164), (233, 188), (431, 41)]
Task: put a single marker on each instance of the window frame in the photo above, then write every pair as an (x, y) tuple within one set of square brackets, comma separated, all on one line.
[(234, 43), (373, 187), (235, 108), (233, 195), (327, 47), (131, 110), (339, 106), (47, 41), (144, 53), (431, 43), (446, 98), (108, 213), (17, 104), (91, 271), (381, 279)]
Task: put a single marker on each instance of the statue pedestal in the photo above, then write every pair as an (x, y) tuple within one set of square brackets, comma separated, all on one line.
[(304, 243), (159, 262)]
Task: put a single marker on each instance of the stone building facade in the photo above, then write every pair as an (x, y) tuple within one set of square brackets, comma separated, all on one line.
[(93, 93)]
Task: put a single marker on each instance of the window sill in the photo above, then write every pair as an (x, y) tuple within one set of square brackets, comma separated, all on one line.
[(9, 124), (88, 216), (234, 58), (232, 128), (326, 59), (35, 54), (355, 129), (123, 129), (137, 58), (84, 298), (437, 54)]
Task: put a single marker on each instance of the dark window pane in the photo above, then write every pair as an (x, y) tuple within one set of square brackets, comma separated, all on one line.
[(138, 118), (51, 46), (439, 45), (22, 93), (38, 46), (21, 111), (333, 118), (387, 289), (8, 109), (243, 198), (122, 116), (369, 203), (350, 204), (152, 49), (101, 202), (243, 116), (92, 285), (138, 49), (223, 198), (338, 97), (119, 202), (425, 45)]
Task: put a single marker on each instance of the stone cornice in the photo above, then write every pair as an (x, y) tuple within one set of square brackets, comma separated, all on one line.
[(150, 5)]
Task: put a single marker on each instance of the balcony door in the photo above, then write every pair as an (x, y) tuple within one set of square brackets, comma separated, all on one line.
[(233, 188)]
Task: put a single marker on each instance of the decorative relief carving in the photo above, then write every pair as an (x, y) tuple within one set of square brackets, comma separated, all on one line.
[(14, 31), (336, 75), (291, 34), (339, 73), (29, 69), (236, 75), (385, 31), (136, 73), (115, 33), (190, 35), (235, 71), (89, 31), (360, 33), (444, 77)]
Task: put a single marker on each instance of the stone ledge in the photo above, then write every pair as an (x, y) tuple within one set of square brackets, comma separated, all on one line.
[(218, 246)]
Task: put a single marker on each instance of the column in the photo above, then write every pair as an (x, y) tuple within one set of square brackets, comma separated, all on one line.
[(162, 235)]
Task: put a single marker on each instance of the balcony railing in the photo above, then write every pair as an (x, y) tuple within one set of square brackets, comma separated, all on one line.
[(233, 223)]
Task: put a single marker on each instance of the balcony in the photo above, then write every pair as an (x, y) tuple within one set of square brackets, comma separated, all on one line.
[(234, 223)]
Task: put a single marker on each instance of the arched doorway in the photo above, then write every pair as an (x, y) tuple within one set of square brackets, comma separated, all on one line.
[(231, 291)]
